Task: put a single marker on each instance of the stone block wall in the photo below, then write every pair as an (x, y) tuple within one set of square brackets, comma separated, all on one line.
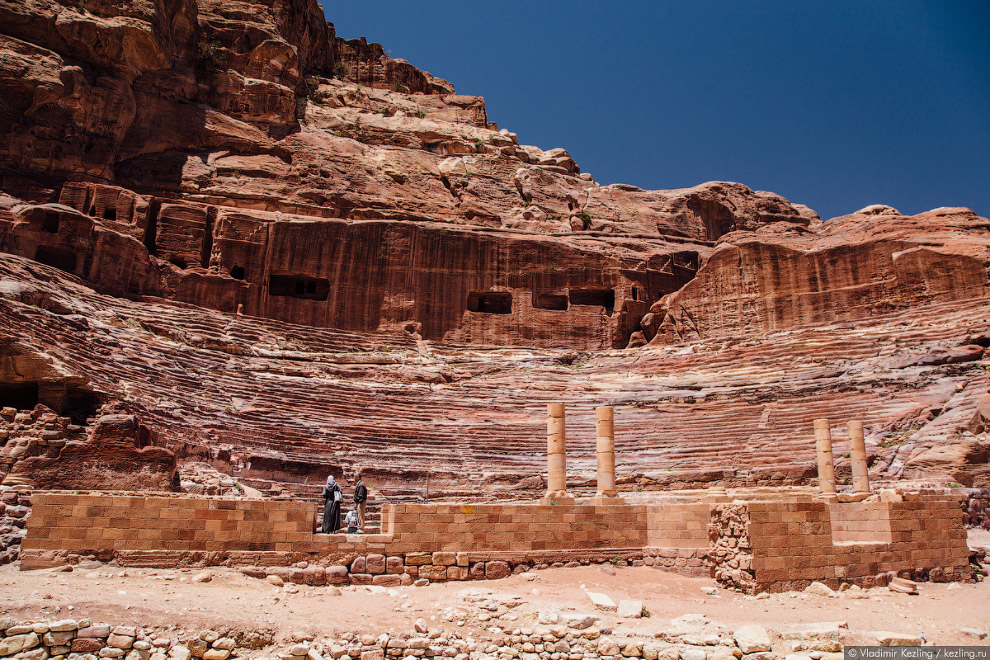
[(514, 528), (860, 522), (677, 525), (752, 546), (793, 544), (94, 523)]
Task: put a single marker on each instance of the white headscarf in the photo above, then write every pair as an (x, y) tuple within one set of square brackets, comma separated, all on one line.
[(330, 480)]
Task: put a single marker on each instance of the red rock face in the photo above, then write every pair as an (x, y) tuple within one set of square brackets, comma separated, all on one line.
[(856, 267), (288, 253)]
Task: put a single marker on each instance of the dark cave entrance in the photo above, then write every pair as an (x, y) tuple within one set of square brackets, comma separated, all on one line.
[(57, 257), (299, 286), (490, 302), (22, 396), (594, 298), (67, 400)]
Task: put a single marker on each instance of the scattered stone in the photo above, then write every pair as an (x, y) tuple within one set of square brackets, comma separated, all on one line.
[(751, 638), (578, 621), (205, 576), (275, 580), (820, 589), (902, 586), (605, 568), (421, 626), (885, 638), (973, 632), (601, 601), (630, 609)]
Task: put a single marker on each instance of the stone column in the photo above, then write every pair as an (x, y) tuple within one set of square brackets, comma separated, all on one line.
[(556, 457), (857, 453), (826, 468), (606, 457)]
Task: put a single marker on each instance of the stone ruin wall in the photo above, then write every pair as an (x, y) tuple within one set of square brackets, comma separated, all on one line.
[(795, 544), (731, 555), (752, 546)]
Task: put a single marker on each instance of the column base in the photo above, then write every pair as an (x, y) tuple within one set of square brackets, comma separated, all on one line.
[(606, 500), (853, 497), (553, 500), (831, 498)]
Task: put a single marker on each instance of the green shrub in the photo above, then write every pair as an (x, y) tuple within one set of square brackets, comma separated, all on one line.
[(421, 113), (397, 86), (212, 56), (341, 70)]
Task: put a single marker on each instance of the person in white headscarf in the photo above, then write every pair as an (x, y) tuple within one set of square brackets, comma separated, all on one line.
[(332, 497)]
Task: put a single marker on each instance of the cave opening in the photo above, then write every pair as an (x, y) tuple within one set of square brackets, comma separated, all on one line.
[(557, 301), (109, 213), (22, 396), (299, 286), (593, 297), (490, 302), (57, 257), (67, 400), (79, 404), (237, 272), (50, 222)]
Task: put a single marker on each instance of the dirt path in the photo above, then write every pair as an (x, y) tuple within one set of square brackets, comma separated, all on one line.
[(167, 598)]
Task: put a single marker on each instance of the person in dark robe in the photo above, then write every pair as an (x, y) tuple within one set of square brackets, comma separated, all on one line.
[(332, 497)]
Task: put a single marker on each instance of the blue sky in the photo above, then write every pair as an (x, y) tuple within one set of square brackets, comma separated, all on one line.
[(833, 104)]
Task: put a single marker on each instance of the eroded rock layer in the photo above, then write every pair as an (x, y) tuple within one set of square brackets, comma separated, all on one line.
[(273, 401)]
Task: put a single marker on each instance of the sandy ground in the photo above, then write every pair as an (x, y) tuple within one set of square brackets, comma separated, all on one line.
[(231, 601)]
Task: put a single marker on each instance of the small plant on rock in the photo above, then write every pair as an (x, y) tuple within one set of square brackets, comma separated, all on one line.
[(584, 216), (645, 613), (398, 86), (421, 113), (616, 560), (212, 55), (341, 70)]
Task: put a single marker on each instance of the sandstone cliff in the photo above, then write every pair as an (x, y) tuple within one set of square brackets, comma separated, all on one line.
[(284, 250)]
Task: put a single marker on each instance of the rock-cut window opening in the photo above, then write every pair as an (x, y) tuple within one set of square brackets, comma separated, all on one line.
[(58, 257), (593, 297), (490, 302), (557, 301), (299, 286), (50, 222)]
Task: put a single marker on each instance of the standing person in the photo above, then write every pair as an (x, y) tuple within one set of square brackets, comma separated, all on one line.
[(360, 496), (332, 496)]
